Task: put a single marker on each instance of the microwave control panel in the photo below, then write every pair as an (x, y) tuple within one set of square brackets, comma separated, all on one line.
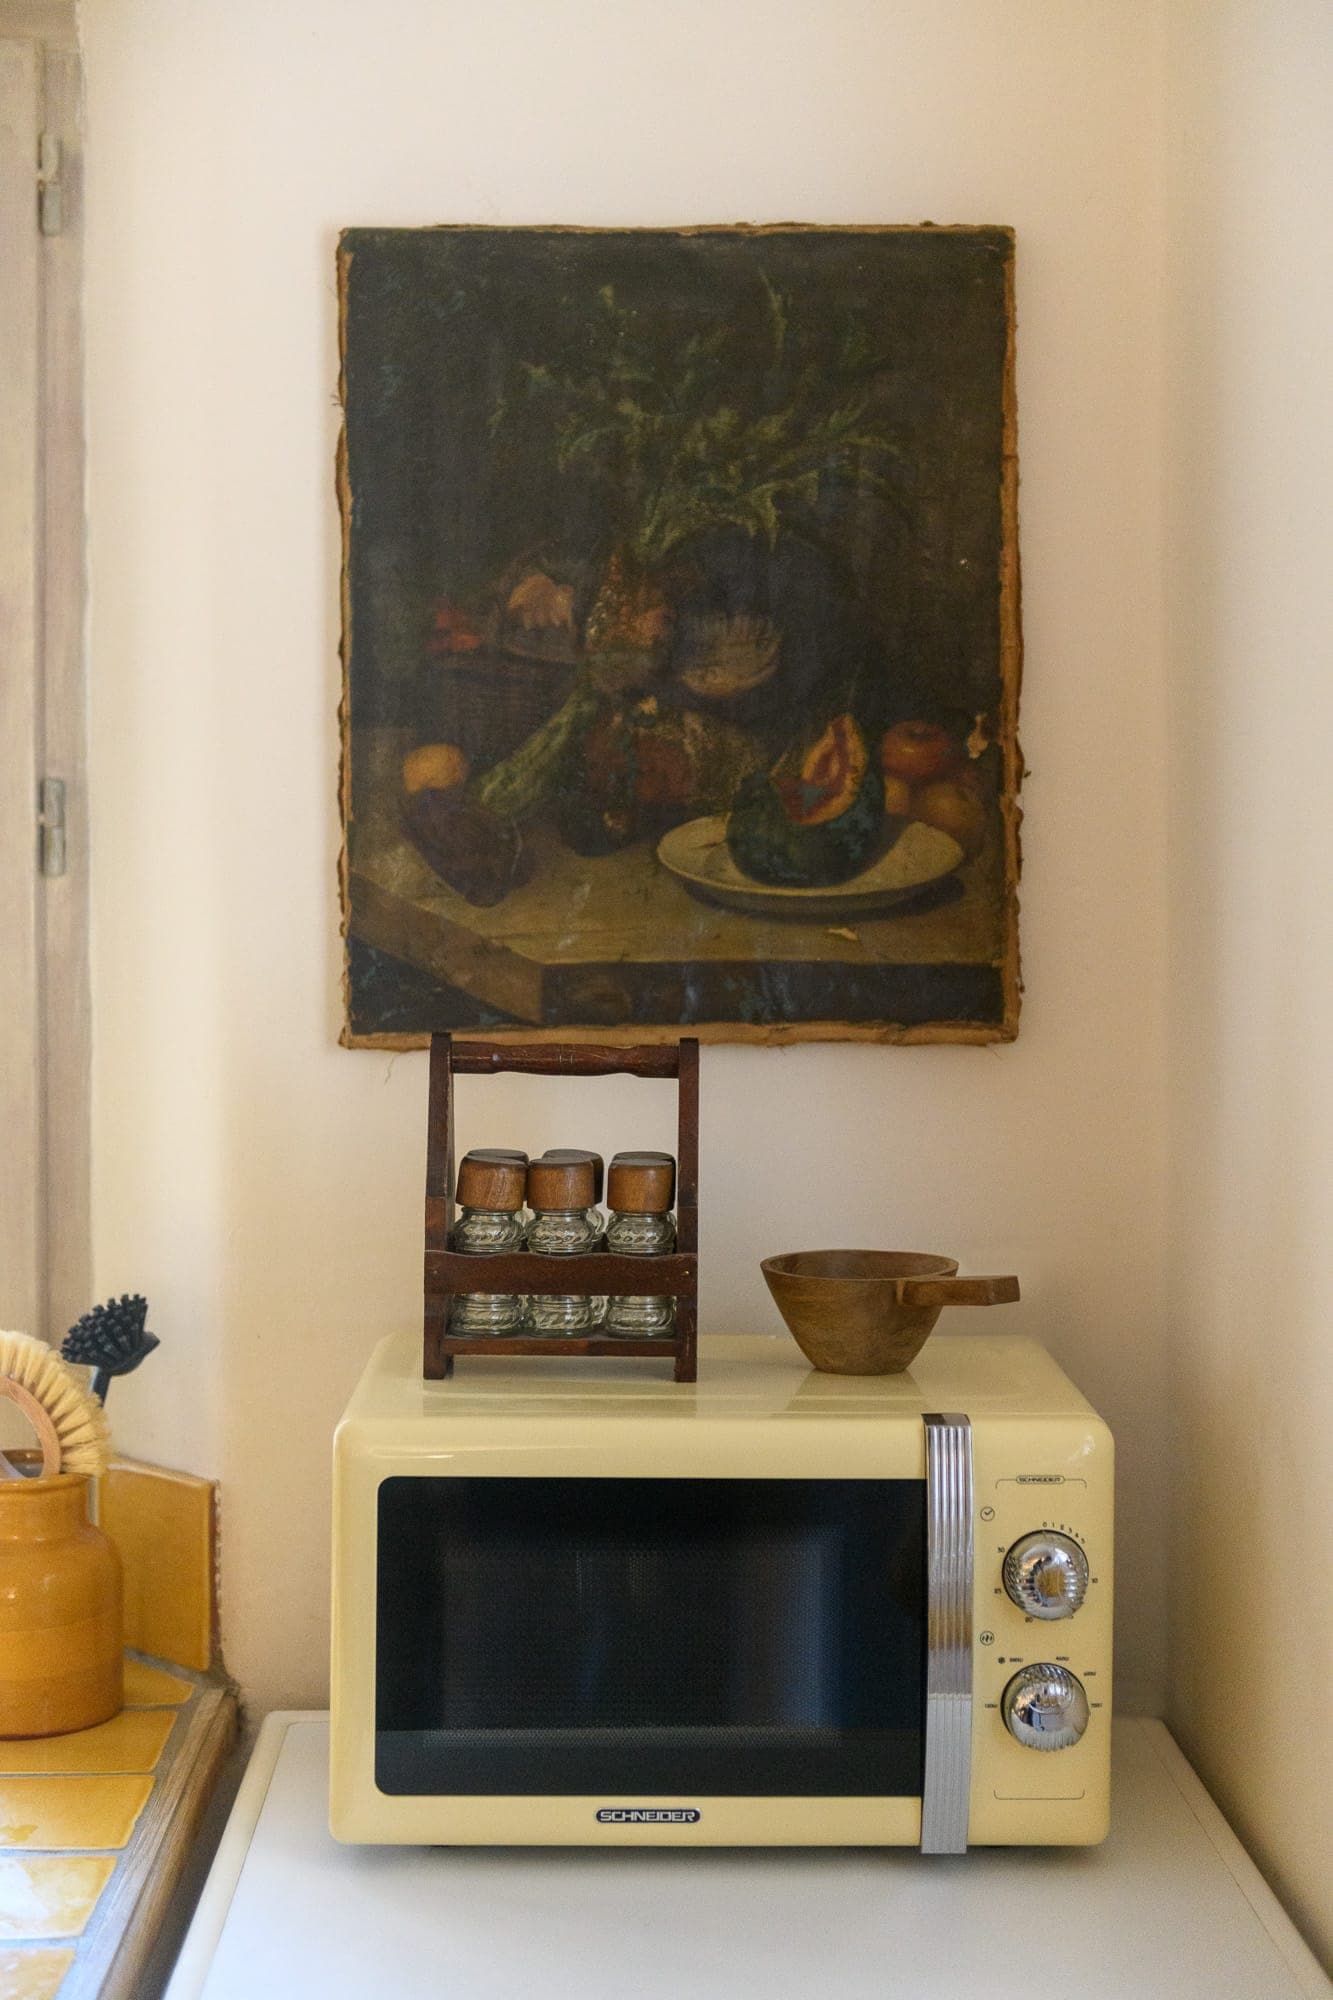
[(1042, 1553)]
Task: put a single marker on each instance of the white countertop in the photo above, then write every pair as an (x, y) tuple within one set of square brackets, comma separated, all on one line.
[(1170, 1906)]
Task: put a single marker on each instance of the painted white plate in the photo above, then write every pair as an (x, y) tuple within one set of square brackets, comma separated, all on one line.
[(697, 855)]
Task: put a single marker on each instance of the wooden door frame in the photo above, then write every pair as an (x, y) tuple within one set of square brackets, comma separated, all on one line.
[(45, 1235)]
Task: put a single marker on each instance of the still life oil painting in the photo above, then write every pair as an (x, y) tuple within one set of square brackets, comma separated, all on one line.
[(680, 633)]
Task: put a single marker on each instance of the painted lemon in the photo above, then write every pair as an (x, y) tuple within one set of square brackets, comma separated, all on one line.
[(435, 767)]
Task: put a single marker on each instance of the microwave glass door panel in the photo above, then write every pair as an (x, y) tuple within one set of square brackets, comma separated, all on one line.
[(719, 1637)]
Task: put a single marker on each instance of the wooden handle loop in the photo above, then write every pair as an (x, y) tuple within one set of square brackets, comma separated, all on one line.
[(47, 1436)]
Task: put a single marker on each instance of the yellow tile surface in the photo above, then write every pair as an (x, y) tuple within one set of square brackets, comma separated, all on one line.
[(148, 1687), (131, 1741), (162, 1523), (50, 1895), (33, 1974), (70, 1812)]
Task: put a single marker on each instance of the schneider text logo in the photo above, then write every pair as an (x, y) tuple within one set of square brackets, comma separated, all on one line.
[(648, 1816)]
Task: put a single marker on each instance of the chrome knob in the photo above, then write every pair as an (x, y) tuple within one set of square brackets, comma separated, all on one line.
[(1046, 1575), (1045, 1708)]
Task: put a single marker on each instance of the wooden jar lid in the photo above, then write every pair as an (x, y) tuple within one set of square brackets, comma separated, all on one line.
[(577, 1153), (491, 1179), (641, 1183), (562, 1182)]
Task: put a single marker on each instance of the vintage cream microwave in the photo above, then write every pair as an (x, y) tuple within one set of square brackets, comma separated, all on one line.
[(577, 1604)]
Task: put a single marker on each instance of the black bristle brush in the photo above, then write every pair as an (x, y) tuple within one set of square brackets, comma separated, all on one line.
[(111, 1339)]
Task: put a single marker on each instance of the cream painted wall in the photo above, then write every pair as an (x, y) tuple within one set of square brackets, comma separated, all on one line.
[(1251, 1298), (262, 1185)]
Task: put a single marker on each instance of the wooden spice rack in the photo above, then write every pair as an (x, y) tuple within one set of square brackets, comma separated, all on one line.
[(599, 1273)]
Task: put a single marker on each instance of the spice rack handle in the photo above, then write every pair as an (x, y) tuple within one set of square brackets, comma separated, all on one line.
[(447, 1273), (565, 1059)]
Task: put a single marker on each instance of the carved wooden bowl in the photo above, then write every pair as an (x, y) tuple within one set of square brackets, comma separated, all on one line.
[(870, 1312)]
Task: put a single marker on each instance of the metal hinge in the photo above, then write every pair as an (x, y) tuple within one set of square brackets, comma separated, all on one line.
[(51, 826), (50, 195)]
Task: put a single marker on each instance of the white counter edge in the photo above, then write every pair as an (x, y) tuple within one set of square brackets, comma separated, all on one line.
[(1301, 1961), (196, 1955)]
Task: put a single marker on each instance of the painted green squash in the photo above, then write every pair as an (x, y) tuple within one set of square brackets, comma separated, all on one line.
[(816, 818)]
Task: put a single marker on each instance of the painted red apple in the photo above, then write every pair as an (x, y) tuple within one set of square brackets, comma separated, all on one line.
[(917, 751)]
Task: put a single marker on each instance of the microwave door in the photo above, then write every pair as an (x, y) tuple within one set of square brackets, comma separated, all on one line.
[(674, 1637)]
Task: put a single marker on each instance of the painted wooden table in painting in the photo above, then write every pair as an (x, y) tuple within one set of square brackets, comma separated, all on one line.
[(617, 940)]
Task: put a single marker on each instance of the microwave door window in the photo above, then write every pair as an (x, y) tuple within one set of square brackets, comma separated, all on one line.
[(793, 1591), (706, 1637)]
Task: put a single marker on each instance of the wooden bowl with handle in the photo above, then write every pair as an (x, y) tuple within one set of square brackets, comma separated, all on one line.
[(870, 1312)]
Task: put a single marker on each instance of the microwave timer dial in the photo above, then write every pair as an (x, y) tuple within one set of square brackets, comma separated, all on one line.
[(1046, 1575), (1045, 1707)]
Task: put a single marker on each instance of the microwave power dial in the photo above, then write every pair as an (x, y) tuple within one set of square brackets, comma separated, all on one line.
[(1045, 1708), (1046, 1575)]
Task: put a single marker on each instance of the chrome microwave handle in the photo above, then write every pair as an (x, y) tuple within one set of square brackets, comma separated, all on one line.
[(949, 1512)]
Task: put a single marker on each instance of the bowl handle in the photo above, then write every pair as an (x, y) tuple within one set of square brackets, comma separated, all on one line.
[(957, 1291)]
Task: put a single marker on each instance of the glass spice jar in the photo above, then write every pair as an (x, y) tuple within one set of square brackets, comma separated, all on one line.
[(491, 1184), (565, 1223), (595, 1216), (640, 1190)]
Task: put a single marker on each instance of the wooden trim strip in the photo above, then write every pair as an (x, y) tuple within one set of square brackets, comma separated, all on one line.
[(21, 1246), (63, 900), (644, 1347), (449, 1272), (126, 1926)]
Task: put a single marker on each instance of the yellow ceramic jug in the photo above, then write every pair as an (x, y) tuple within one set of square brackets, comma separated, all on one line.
[(61, 1622)]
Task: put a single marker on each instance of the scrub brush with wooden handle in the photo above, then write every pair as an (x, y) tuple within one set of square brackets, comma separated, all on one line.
[(69, 1423)]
